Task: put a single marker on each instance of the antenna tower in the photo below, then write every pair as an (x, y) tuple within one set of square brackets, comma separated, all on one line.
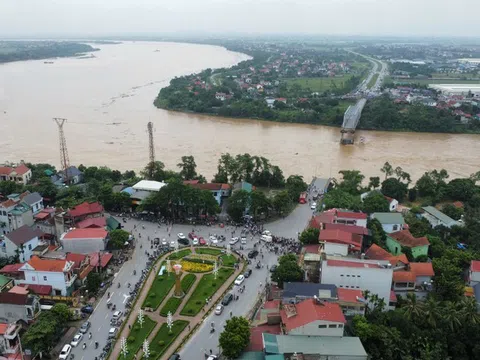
[(64, 161), (151, 148)]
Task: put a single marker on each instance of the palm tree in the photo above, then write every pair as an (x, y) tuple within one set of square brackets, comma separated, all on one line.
[(467, 308), (452, 316), (412, 308), (432, 312)]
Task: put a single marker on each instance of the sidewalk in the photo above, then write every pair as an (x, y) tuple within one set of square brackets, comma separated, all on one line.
[(155, 315)]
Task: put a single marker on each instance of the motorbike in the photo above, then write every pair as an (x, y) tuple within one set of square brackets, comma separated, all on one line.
[(96, 345), (84, 346), (118, 285), (212, 330)]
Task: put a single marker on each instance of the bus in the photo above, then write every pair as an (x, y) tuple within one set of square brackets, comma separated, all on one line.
[(303, 198)]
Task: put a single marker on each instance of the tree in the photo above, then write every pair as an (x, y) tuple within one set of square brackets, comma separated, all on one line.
[(461, 189), (188, 168), (118, 238), (374, 182), (235, 337), (378, 235), (351, 181), (93, 282), (287, 270), (237, 204), (394, 188), (375, 202), (309, 236), (387, 169), (338, 198), (282, 202), (295, 186), (154, 171), (452, 211), (260, 204)]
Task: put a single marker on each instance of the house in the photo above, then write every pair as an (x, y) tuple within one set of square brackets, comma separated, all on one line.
[(21, 242), (339, 242), (15, 307), (34, 201), (92, 223), (334, 216), (56, 275), (294, 292), (74, 175), (351, 301), (84, 241), (270, 102), (351, 218), (417, 278), (313, 347), (313, 317), (392, 203), (218, 190), (349, 273), (390, 222), (143, 189), (220, 96), (474, 273), (20, 174), (45, 222), (375, 252), (398, 239), (85, 210), (436, 217), (243, 186), (10, 340)]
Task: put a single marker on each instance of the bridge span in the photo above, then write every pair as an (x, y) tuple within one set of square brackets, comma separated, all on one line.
[(350, 121)]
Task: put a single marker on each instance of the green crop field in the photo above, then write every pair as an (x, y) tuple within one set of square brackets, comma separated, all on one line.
[(431, 81), (319, 84)]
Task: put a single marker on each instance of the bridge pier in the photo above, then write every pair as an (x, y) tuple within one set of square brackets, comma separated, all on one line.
[(348, 137)]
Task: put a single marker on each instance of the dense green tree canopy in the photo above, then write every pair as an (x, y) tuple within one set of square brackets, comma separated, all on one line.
[(287, 270), (309, 236), (235, 337), (375, 202), (338, 198), (394, 188)]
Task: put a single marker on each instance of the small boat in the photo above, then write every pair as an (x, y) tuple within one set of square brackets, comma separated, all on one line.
[(48, 62)]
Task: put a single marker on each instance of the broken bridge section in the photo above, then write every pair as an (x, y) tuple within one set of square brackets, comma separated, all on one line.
[(351, 119)]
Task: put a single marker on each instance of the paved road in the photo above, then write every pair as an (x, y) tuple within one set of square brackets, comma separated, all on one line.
[(203, 340)]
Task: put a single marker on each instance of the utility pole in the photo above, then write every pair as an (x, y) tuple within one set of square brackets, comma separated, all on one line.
[(64, 161), (151, 150)]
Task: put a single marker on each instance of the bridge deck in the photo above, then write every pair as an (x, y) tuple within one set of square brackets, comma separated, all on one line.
[(352, 115)]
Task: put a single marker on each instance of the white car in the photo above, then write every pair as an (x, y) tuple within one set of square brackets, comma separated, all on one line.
[(173, 244), (267, 233), (213, 240), (233, 241), (313, 206), (266, 238), (117, 315), (239, 280), (66, 350), (76, 340), (164, 242), (112, 332), (219, 309), (181, 236), (243, 240), (195, 241)]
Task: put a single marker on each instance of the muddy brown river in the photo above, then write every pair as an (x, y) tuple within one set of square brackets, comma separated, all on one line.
[(108, 101)]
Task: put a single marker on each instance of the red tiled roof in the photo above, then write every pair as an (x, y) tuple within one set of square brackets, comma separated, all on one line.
[(21, 169), (104, 260), (85, 208), (404, 276), (11, 268), (474, 266), (190, 182), (375, 252), (85, 272), (351, 215), (458, 204), (8, 203), (256, 339), (422, 269), (272, 304), (97, 222), (353, 264), (354, 229), (349, 295), (89, 233), (325, 217), (3, 328), (342, 237), (76, 259), (208, 186), (38, 289), (405, 238), (308, 311), (12, 298), (52, 265), (5, 170), (41, 215), (393, 296), (311, 249)]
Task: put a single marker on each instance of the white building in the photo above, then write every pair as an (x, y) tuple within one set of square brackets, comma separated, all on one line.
[(436, 217), (21, 243), (84, 241), (391, 222), (372, 275), (34, 201), (20, 174), (351, 218), (55, 273), (148, 185)]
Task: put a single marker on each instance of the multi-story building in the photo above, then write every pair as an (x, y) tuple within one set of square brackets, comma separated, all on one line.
[(21, 242), (10, 340), (390, 222), (84, 241), (20, 174), (349, 273), (14, 307)]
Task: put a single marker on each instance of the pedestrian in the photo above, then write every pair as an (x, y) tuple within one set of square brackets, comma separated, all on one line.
[(129, 327), (188, 327), (211, 352), (231, 313)]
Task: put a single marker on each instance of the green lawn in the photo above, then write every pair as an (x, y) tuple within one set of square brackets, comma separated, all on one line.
[(163, 339), (319, 84), (180, 254), (372, 81), (208, 251), (228, 260), (173, 303), (430, 81), (159, 290), (206, 287), (137, 335)]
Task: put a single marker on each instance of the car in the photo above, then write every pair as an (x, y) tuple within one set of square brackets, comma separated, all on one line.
[(233, 241), (117, 315), (212, 357), (313, 206), (267, 233), (181, 236), (252, 254), (213, 240), (227, 299), (219, 309), (76, 340), (156, 241), (273, 268), (266, 238), (173, 244), (66, 350), (243, 240), (87, 309), (247, 273), (183, 241), (239, 280), (195, 241), (191, 235), (112, 332), (85, 326), (202, 241), (164, 242), (174, 357)]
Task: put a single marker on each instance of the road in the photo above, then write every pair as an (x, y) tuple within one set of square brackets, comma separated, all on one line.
[(100, 318), (363, 87)]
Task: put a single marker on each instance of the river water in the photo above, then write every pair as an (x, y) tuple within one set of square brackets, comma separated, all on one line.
[(108, 101)]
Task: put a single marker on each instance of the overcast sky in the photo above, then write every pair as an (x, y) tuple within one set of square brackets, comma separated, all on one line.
[(343, 17)]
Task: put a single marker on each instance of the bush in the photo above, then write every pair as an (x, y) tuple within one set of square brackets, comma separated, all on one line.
[(198, 302), (161, 343), (152, 295), (136, 327), (190, 311), (131, 339), (148, 304), (160, 279), (214, 284), (153, 354)]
